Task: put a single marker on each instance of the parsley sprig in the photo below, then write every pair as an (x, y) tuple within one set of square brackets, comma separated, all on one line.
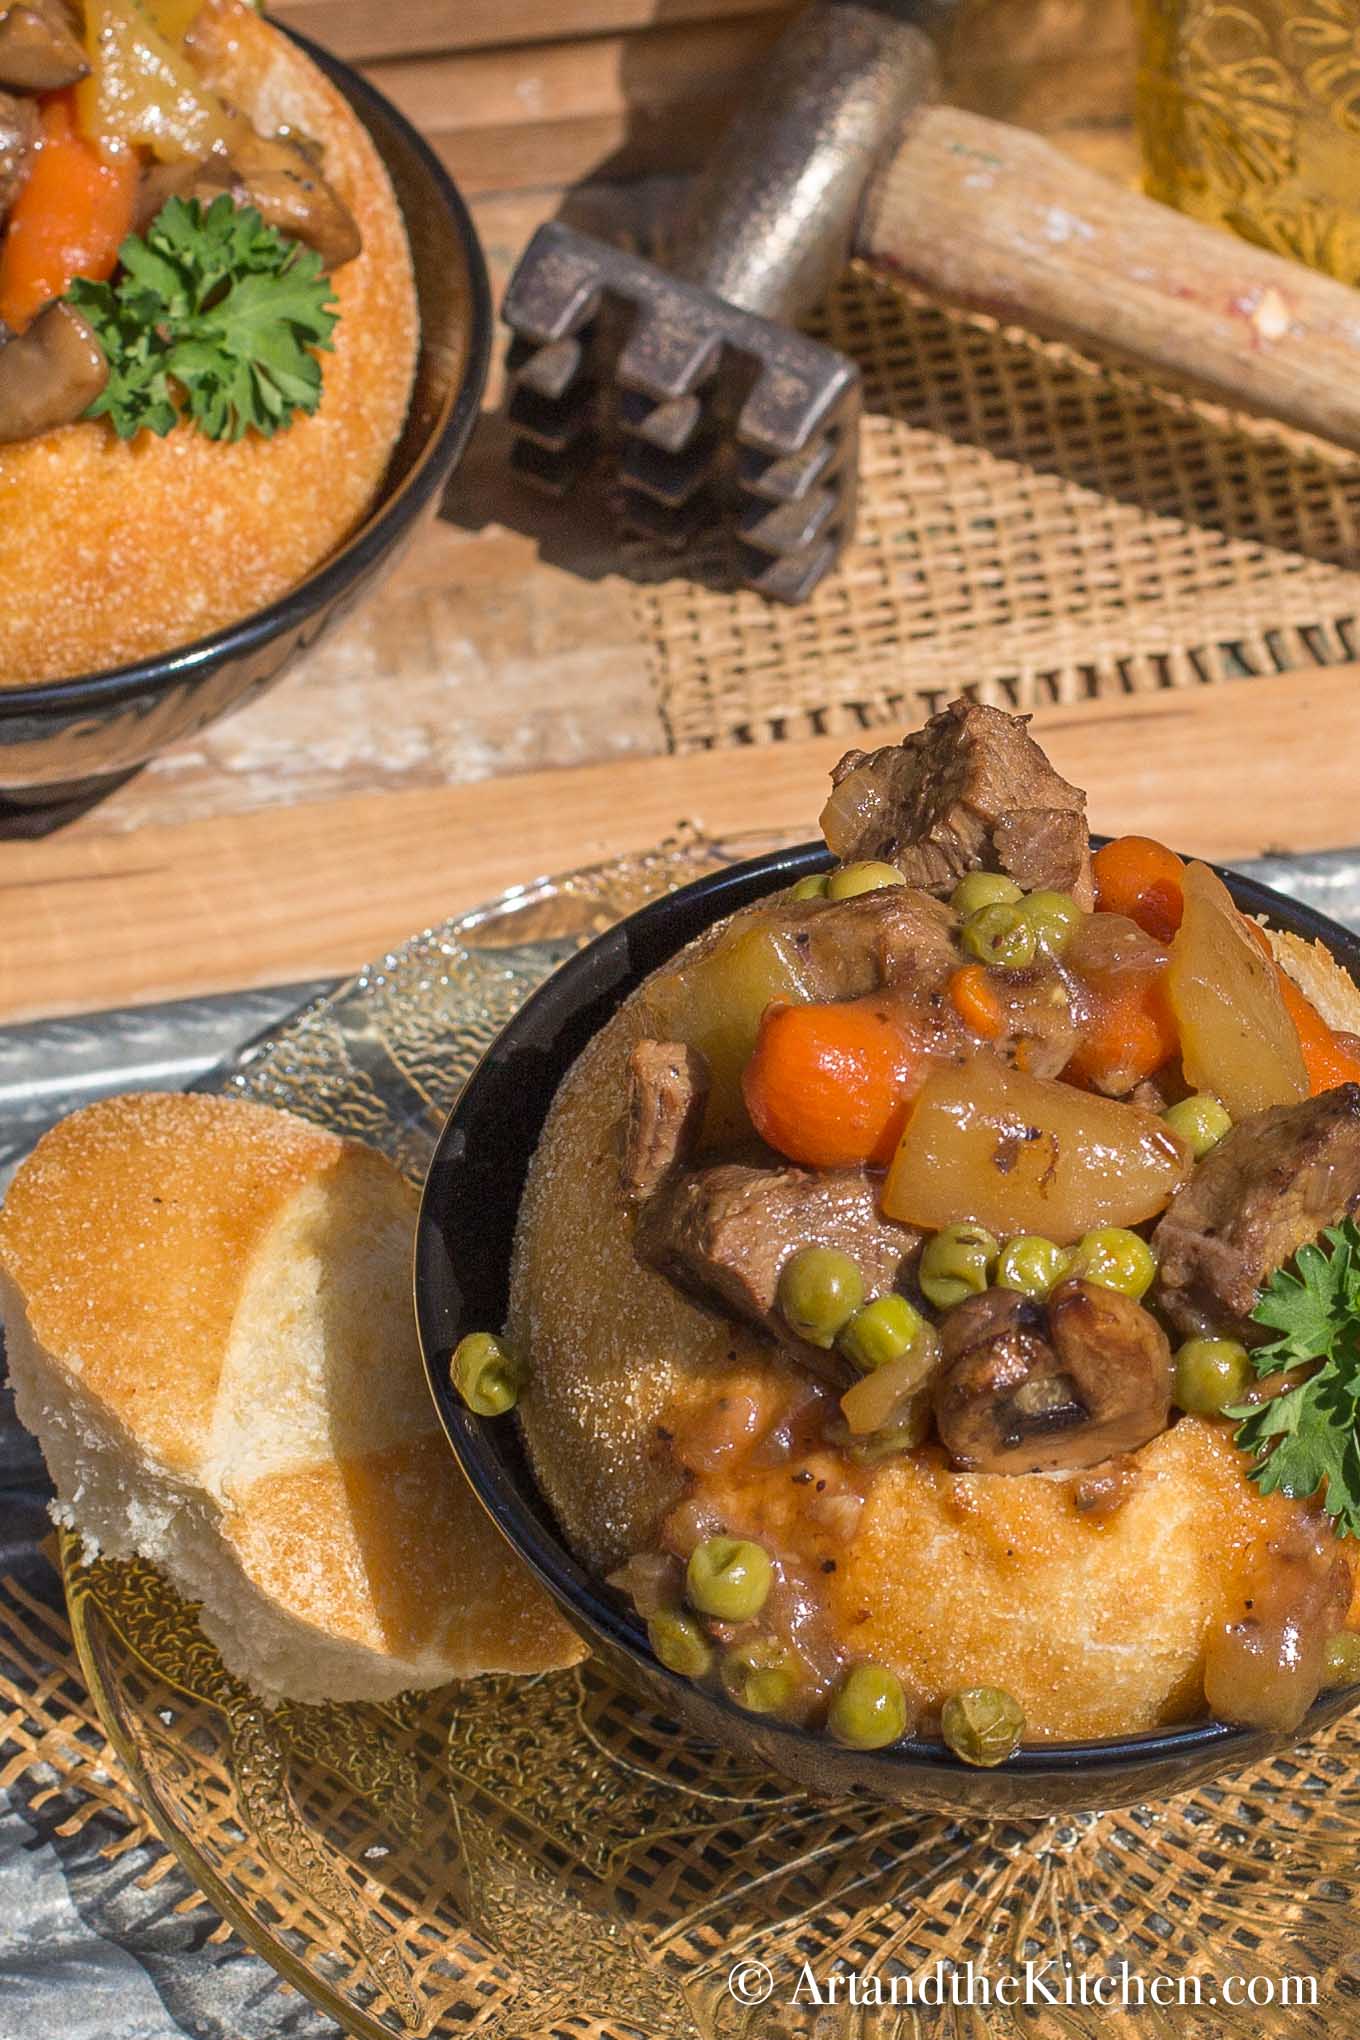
[(1307, 1438), (214, 316)]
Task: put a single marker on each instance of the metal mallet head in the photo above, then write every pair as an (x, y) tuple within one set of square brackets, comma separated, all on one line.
[(714, 411)]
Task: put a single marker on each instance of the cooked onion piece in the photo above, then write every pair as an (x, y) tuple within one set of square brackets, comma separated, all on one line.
[(1022, 1154), (1237, 1039), (714, 1004), (143, 90)]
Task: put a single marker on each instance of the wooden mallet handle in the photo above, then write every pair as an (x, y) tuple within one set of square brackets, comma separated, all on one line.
[(993, 218)]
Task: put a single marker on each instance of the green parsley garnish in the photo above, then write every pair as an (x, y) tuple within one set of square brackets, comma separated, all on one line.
[(214, 317), (1306, 1437)]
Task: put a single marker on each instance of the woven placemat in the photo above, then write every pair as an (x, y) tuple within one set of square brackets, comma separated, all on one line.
[(51, 1736), (1033, 528)]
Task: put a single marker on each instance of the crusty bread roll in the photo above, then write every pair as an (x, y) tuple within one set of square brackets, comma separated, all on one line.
[(115, 550), (1320, 977), (1096, 1623), (208, 1322)]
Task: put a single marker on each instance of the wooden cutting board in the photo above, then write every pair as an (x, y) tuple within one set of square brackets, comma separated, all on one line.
[(92, 919)]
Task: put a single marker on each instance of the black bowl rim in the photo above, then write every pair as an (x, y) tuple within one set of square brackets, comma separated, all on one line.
[(578, 1590), (380, 530)]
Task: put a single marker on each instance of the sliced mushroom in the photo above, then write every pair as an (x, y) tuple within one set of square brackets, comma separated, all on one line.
[(204, 180), (39, 49), (283, 181), (280, 176), (1026, 1388), (18, 133), (50, 375)]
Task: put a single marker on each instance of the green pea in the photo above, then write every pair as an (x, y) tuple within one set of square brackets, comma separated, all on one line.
[(883, 1330), (1116, 1259), (956, 1262), (680, 1643), (1000, 936), (820, 1289), (983, 889), (1201, 1122), (759, 1675), (728, 1578), (983, 1725), (909, 1431), (1054, 917), (1031, 1265), (811, 888), (1211, 1375), (849, 880), (1341, 1665), (868, 1709), (486, 1374)]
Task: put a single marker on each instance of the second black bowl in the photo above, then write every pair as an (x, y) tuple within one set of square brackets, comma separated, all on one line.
[(64, 742), (463, 1246)]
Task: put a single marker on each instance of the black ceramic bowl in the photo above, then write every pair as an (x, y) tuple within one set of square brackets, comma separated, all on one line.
[(466, 1226), (65, 741)]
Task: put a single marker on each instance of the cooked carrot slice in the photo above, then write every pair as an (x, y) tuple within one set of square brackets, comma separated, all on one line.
[(70, 218), (830, 1085), (1141, 878), (1132, 1032), (973, 997)]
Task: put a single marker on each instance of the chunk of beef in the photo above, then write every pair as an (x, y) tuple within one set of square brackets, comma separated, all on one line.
[(898, 936), (1026, 1387), (667, 1092), (723, 1234), (18, 138), (831, 949), (971, 790), (1046, 847), (39, 48), (1272, 1183)]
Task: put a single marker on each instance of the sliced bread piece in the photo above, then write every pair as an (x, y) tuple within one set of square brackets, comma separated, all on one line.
[(208, 1324)]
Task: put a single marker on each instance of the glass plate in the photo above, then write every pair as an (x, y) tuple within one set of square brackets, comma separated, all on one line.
[(518, 1858)]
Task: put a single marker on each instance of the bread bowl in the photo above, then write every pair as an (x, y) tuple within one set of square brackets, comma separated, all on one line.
[(99, 522), (602, 1375)]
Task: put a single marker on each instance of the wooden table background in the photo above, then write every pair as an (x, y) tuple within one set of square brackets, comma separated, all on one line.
[(413, 764)]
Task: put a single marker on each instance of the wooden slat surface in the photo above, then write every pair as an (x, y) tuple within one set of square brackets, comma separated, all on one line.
[(365, 29), (516, 97), (603, 105), (294, 892)]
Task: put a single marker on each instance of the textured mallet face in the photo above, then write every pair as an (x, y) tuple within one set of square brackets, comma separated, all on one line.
[(710, 414)]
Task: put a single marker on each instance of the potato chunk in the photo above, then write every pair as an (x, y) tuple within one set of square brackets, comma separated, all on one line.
[(1021, 1154)]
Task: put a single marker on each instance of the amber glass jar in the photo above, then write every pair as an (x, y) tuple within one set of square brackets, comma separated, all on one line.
[(1249, 112)]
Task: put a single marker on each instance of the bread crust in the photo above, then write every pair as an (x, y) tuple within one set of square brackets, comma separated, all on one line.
[(208, 1323), (1320, 978), (115, 550), (103, 1235), (1096, 1622)]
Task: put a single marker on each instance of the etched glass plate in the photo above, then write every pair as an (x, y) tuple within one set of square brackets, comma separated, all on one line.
[(530, 1858)]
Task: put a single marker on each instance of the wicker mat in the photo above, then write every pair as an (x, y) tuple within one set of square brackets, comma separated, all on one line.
[(1033, 528), (52, 1743)]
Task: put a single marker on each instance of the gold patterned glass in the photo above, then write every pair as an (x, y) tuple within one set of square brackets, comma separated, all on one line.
[(1249, 112), (544, 1860)]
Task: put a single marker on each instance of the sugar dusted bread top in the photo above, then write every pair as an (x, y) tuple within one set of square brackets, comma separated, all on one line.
[(129, 1280), (208, 1314)]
